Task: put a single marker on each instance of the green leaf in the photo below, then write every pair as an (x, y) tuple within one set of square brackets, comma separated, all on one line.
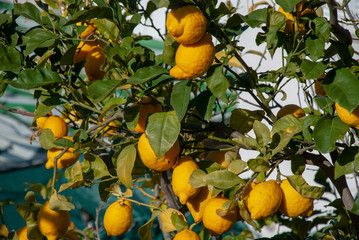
[(47, 139), (322, 28), (203, 104), (178, 221), (327, 131), (283, 131), (74, 173), (101, 89), (312, 70), (180, 97), (38, 38), (197, 178), (63, 142), (125, 162), (131, 115), (242, 119), (112, 103), (257, 17), (145, 230), (301, 186), (314, 48), (325, 103), (169, 51), (288, 5), (34, 78), (217, 82), (344, 89), (28, 10), (262, 133), (162, 131), (309, 121), (11, 59), (97, 167), (88, 14), (297, 163), (146, 74), (258, 164), (107, 28), (347, 162), (223, 179), (246, 142), (59, 202), (355, 208), (237, 166)]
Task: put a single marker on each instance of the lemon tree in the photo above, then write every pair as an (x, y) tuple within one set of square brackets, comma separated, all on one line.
[(175, 125)]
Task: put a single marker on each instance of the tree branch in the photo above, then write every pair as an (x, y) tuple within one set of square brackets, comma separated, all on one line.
[(332, 5), (17, 111)]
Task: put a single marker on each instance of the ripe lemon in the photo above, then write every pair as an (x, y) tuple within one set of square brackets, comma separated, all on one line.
[(291, 109), (263, 199), (52, 224), (40, 122), (57, 125), (149, 158), (193, 60), (94, 61), (181, 173), (292, 20), (118, 218), (65, 161), (186, 235), (217, 225), (147, 106), (218, 157), (91, 27), (352, 119), (22, 233), (82, 50), (293, 204), (186, 24), (196, 204)]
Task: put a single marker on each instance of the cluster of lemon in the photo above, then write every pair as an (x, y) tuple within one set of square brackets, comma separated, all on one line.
[(90, 51), (52, 224), (195, 54), (58, 127)]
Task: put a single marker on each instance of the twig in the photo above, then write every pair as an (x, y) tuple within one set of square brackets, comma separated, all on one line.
[(17, 111), (55, 168), (168, 192), (97, 218)]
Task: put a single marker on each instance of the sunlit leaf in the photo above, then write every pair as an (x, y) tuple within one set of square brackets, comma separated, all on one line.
[(347, 162), (301, 186), (125, 162)]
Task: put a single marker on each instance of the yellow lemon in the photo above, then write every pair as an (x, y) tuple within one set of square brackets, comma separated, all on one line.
[(22, 233), (83, 49), (52, 224), (91, 27), (65, 161), (147, 106), (193, 60), (263, 199), (94, 61), (40, 122), (196, 204), (293, 204), (118, 218), (352, 119), (186, 24), (150, 159), (57, 125), (186, 235), (217, 225), (291, 109), (180, 179)]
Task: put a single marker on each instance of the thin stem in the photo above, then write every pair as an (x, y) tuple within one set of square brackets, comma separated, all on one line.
[(55, 169), (17, 111)]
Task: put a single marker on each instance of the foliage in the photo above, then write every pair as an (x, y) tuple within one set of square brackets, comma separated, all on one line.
[(202, 113)]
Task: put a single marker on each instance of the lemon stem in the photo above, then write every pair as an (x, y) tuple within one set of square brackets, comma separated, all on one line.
[(55, 169)]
